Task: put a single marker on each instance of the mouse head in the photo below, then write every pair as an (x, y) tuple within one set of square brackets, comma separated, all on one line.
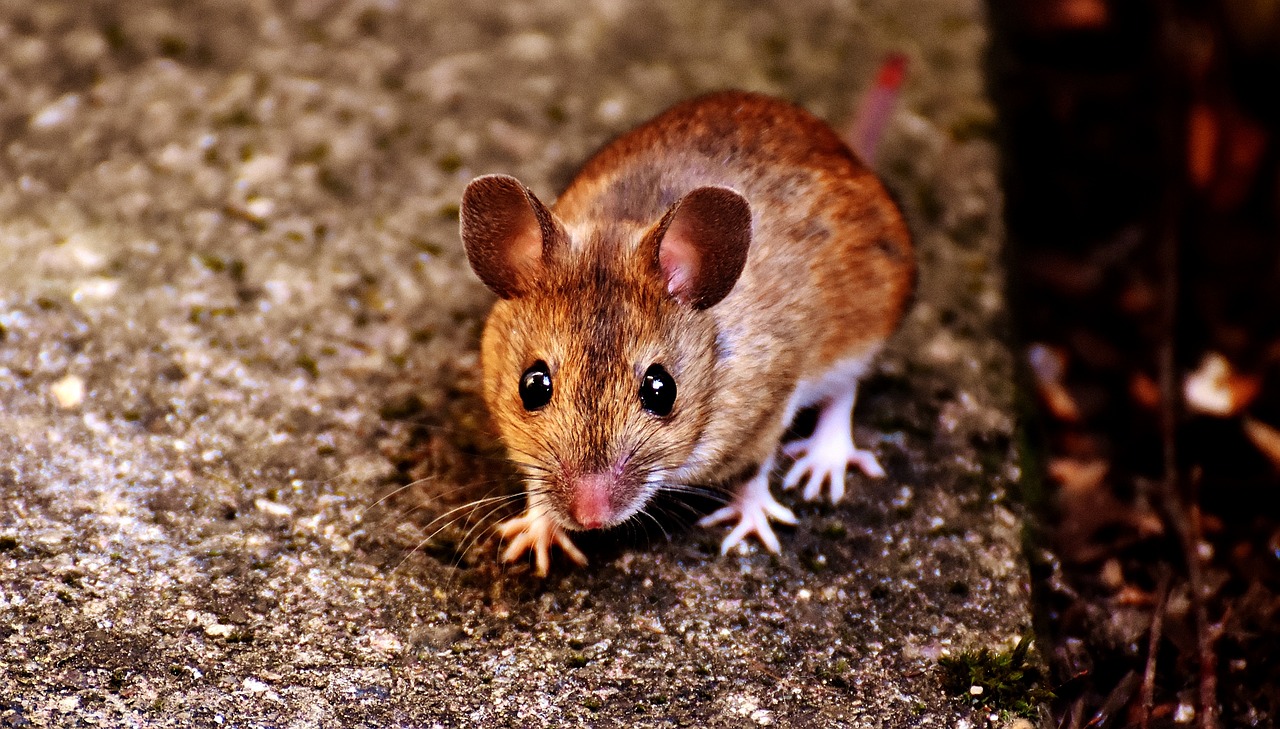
[(599, 357)]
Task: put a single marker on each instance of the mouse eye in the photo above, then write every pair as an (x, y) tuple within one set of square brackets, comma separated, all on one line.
[(535, 386), (658, 391)]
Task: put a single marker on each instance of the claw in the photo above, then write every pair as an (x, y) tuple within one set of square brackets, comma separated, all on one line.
[(753, 509), (536, 532), (825, 456)]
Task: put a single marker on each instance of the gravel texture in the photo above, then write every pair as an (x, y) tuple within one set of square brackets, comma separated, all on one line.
[(235, 319)]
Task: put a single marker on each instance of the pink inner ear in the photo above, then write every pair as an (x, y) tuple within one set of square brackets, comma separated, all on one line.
[(525, 248), (502, 229), (679, 260), (704, 245)]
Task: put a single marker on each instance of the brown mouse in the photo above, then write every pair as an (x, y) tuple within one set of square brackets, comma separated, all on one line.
[(703, 277)]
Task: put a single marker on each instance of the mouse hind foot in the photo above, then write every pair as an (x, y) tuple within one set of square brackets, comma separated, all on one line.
[(536, 532), (754, 507), (825, 456)]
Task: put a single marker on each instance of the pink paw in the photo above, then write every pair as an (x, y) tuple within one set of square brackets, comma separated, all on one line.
[(821, 461), (536, 532), (753, 512)]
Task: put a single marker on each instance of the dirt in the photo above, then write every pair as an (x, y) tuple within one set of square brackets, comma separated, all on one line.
[(235, 320)]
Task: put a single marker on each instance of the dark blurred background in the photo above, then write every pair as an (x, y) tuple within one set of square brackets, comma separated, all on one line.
[(1142, 178)]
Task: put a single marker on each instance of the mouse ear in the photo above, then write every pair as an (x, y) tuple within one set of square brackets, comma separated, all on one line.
[(507, 232), (702, 245)]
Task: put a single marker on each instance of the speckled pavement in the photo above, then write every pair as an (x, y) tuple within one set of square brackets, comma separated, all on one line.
[(235, 319)]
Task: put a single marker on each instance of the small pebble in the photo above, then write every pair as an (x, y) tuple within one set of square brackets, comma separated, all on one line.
[(68, 392), (57, 113)]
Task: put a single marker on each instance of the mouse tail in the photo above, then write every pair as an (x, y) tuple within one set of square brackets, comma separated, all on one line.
[(876, 107)]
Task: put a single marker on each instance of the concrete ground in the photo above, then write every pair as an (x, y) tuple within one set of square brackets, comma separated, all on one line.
[(235, 320)]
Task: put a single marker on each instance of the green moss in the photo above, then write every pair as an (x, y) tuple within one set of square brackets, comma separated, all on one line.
[(834, 673), (834, 530), (577, 660), (594, 703), (213, 262), (172, 46), (115, 36), (315, 154), (308, 364), (976, 125), (1008, 680), (402, 408), (393, 81), (335, 183), (930, 201), (429, 247), (449, 163), (1031, 489), (969, 233), (202, 315), (776, 48), (237, 118)]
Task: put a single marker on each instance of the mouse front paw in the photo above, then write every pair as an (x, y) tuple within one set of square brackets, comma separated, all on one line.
[(753, 509), (826, 462), (536, 532)]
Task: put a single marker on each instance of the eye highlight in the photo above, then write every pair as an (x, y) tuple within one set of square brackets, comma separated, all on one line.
[(658, 391), (535, 386)]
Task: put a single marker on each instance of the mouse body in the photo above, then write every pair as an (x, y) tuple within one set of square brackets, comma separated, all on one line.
[(704, 277)]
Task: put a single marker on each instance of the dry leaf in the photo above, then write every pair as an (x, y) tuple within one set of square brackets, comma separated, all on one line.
[(1144, 391), (1265, 437), (1068, 15), (1077, 475), (1134, 596), (1216, 389), (1202, 144), (1048, 366)]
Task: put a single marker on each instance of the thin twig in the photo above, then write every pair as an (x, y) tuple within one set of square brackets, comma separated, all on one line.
[(1077, 714), (1206, 634), (1115, 703), (1183, 515), (1153, 648)]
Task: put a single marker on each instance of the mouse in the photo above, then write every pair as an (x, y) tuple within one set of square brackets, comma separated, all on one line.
[(704, 277)]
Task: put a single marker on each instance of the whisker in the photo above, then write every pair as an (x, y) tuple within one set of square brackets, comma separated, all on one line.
[(446, 525), (652, 518), (469, 505)]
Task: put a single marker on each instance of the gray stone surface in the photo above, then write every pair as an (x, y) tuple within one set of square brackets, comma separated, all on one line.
[(236, 319)]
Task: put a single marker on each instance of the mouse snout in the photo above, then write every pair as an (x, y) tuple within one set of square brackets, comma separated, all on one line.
[(591, 506)]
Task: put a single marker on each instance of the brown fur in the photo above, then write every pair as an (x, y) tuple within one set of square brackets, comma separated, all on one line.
[(827, 276)]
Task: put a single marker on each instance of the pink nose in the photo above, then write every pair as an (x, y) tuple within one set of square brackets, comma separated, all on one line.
[(590, 506)]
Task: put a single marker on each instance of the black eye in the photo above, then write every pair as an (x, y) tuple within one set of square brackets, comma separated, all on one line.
[(535, 386), (658, 391)]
